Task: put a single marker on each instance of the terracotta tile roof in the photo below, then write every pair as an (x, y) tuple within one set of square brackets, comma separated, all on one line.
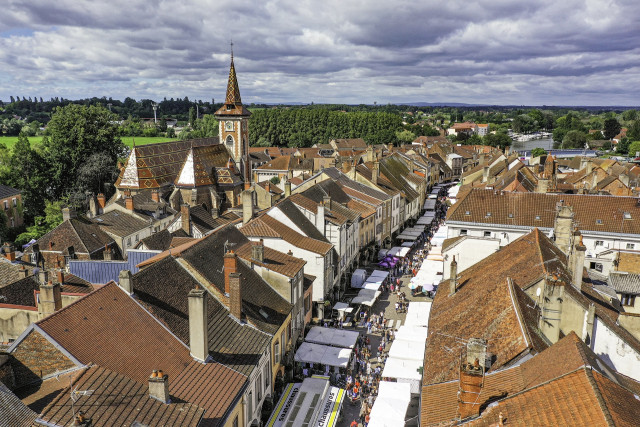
[(161, 240), (348, 143), (297, 239), (258, 228), (262, 305), (132, 405), (271, 187), (447, 243), (277, 261), (365, 210), (279, 163), (157, 164), (11, 272), (85, 237), (163, 289), (526, 208)]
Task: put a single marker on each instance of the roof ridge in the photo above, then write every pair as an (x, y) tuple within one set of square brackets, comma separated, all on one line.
[(516, 306), (603, 405)]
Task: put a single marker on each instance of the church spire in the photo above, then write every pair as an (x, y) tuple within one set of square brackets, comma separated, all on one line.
[(233, 91)]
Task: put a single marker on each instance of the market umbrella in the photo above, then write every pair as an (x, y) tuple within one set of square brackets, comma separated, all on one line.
[(383, 264), (413, 285), (428, 287)]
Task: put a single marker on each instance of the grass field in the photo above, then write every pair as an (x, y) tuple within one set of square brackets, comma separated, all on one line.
[(10, 141)]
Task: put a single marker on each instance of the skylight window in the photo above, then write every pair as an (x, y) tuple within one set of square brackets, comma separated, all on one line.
[(627, 215), (264, 313), (537, 217), (598, 221), (467, 213), (488, 213), (510, 215)]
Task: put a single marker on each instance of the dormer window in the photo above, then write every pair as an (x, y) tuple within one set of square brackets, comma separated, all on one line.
[(537, 217), (467, 213), (598, 221), (488, 214), (627, 215), (510, 215)]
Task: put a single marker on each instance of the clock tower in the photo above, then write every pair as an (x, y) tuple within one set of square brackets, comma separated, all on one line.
[(233, 130)]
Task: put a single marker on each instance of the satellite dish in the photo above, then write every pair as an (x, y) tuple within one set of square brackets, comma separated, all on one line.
[(538, 291)]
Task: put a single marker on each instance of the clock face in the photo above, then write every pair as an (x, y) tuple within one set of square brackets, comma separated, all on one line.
[(228, 125)]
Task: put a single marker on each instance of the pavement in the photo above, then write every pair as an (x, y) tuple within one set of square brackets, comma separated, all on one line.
[(386, 303)]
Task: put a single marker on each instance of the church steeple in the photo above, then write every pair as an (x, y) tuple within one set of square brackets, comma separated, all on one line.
[(233, 91)]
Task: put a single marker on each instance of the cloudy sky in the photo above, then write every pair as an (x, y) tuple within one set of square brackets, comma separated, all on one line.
[(535, 52)]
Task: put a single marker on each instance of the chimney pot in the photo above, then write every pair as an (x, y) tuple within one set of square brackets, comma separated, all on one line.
[(155, 195), (247, 206), (159, 387), (154, 373), (102, 200), (185, 215), (198, 324), (257, 251), (290, 253), (128, 202)]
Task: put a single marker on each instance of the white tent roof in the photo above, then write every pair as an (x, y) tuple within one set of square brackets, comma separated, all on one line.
[(373, 286), (418, 314), (357, 278), (366, 297), (402, 349), (407, 236), (412, 333), (327, 355), (404, 370), (390, 408), (398, 251), (407, 244), (332, 336), (379, 273)]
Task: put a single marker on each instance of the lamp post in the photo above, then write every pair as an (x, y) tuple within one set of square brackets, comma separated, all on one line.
[(155, 107)]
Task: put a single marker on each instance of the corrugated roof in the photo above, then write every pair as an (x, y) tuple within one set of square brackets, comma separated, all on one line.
[(625, 283), (103, 272)]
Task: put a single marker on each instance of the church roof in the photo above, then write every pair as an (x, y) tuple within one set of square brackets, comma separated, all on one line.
[(155, 165), (199, 165), (233, 103)]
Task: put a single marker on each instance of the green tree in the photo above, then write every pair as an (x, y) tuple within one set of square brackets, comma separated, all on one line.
[(275, 180), (29, 172), (623, 146), (97, 174), (162, 127), (634, 130), (171, 132), (405, 136), (498, 139), (611, 128), (634, 148), (574, 139), (192, 116), (262, 142), (537, 152), (43, 224), (206, 127), (75, 133), (630, 115)]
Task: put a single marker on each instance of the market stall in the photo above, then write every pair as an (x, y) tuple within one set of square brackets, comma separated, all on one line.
[(332, 336), (366, 297), (402, 349), (343, 309), (323, 354), (405, 371), (358, 277), (418, 313), (412, 333), (390, 407)]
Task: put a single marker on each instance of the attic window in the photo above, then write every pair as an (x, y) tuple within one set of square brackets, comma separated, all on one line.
[(264, 313), (537, 217), (488, 213), (627, 215), (598, 221), (510, 215), (467, 213)]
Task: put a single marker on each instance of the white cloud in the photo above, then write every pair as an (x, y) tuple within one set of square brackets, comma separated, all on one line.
[(489, 51)]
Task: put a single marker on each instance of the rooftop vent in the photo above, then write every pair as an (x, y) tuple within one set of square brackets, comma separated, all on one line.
[(627, 215)]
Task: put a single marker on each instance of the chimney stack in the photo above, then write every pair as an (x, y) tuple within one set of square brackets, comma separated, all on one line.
[(579, 254), (185, 215), (230, 266), (624, 178), (94, 210), (485, 173), (247, 206), (9, 251), (159, 386), (102, 201), (107, 254), (453, 276), (155, 195), (68, 213), (472, 371), (257, 251), (235, 295), (125, 282), (43, 277), (326, 200), (320, 218), (369, 153), (198, 324), (128, 202), (60, 275), (352, 172), (50, 299), (390, 147), (23, 272), (287, 188), (563, 227), (375, 172)]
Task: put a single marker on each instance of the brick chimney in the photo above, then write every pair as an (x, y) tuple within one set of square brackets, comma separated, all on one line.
[(155, 195), (472, 371), (235, 295), (352, 172), (50, 299), (125, 282), (257, 251), (102, 200), (198, 324), (375, 172), (186, 218), (453, 276), (107, 254), (563, 227), (9, 251), (230, 266), (159, 386), (247, 206), (68, 213), (23, 272), (128, 202), (287, 188), (60, 275)]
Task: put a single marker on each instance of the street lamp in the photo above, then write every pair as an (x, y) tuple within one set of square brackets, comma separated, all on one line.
[(155, 107), (109, 105)]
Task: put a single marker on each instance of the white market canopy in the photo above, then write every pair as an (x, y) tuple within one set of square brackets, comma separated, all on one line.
[(418, 314), (378, 274), (398, 251), (366, 297), (412, 333), (341, 306), (332, 336), (408, 237), (402, 349), (404, 370), (407, 244), (390, 407), (324, 354), (430, 204)]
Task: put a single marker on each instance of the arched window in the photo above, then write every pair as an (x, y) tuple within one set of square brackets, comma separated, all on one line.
[(230, 140)]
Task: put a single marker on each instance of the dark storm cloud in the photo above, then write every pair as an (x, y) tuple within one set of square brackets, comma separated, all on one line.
[(493, 51)]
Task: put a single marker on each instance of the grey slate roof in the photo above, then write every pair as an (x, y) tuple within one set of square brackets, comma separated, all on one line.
[(625, 283), (6, 191), (120, 223), (13, 412), (102, 272)]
